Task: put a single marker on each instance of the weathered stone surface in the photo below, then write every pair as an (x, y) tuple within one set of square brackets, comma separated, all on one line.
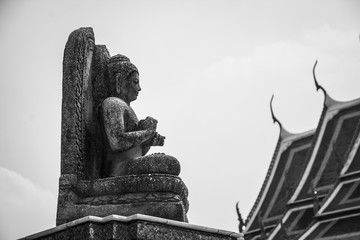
[(104, 169), (132, 228), (76, 88), (154, 163), (132, 184), (160, 195)]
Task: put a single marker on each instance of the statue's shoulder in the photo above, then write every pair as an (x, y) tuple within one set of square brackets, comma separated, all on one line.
[(114, 103)]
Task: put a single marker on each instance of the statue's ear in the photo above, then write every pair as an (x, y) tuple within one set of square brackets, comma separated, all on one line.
[(118, 84)]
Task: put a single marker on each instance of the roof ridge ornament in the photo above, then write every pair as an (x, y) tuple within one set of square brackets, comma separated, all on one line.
[(242, 224), (317, 85), (283, 132), (328, 101)]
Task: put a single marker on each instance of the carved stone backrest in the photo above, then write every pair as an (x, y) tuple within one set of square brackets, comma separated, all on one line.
[(83, 89), (100, 91)]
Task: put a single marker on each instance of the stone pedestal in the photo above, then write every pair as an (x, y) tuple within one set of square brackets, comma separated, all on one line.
[(159, 195), (130, 228)]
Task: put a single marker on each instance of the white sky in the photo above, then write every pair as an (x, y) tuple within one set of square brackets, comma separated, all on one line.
[(207, 70)]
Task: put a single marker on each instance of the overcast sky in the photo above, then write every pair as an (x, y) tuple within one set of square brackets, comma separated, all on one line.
[(207, 70)]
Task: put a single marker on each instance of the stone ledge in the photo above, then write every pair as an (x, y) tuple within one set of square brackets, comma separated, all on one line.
[(149, 227)]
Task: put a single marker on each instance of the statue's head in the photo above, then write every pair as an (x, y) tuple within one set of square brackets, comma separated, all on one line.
[(123, 78)]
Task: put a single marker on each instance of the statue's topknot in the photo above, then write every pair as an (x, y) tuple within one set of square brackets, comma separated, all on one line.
[(120, 64), (118, 58)]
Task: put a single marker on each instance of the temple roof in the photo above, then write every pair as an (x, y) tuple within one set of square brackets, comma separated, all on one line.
[(293, 223), (313, 177), (345, 228), (285, 168), (336, 132), (345, 196)]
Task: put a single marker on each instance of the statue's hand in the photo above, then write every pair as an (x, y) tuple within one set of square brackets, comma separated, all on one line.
[(158, 140), (148, 123)]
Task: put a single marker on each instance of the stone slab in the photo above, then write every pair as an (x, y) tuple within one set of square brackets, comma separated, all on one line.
[(134, 227)]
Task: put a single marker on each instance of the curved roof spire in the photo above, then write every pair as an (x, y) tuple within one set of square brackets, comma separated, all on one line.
[(328, 101), (283, 132), (318, 86)]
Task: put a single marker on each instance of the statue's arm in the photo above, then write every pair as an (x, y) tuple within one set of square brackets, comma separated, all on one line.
[(114, 126)]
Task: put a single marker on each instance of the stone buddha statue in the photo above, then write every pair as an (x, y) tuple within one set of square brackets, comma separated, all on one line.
[(125, 137), (104, 166)]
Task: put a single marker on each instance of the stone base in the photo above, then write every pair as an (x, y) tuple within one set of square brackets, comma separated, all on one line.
[(130, 228), (158, 195)]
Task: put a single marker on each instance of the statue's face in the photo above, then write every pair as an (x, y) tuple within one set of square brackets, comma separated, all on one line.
[(132, 87)]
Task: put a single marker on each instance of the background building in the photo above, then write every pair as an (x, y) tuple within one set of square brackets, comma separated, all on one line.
[(311, 190)]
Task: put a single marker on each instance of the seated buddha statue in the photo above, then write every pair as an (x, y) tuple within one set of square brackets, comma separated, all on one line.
[(125, 138)]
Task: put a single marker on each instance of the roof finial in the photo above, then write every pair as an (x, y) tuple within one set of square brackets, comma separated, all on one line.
[(272, 112), (328, 101), (241, 220), (318, 86), (283, 132)]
